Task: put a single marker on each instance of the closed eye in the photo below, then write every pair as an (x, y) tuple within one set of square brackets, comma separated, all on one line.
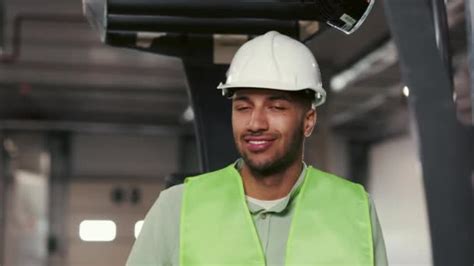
[(278, 107), (241, 108)]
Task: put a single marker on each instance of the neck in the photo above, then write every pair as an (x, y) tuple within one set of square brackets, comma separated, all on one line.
[(272, 186)]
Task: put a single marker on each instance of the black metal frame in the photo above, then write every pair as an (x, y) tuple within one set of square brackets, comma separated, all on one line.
[(212, 115), (218, 16), (3, 197), (440, 19), (284, 10), (60, 153), (2, 25), (445, 145)]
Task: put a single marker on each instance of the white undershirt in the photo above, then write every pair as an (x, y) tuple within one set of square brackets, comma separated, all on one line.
[(266, 204)]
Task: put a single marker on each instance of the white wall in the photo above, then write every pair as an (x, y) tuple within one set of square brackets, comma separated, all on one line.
[(27, 200), (396, 186), (26, 225), (124, 156), (92, 201), (101, 163)]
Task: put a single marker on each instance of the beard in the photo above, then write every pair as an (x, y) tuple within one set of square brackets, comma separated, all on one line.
[(281, 160)]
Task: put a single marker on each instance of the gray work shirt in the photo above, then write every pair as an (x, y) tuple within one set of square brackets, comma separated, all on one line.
[(158, 242)]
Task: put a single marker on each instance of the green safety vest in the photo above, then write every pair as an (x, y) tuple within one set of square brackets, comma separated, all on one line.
[(330, 224)]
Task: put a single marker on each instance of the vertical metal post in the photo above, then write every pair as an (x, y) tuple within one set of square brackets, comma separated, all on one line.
[(212, 114), (359, 161), (3, 198), (445, 146), (2, 26), (59, 150), (469, 11), (440, 20)]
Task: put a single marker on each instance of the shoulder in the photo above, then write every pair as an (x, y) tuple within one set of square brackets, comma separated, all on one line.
[(167, 205), (172, 193), (338, 187), (336, 180), (210, 176), (158, 241)]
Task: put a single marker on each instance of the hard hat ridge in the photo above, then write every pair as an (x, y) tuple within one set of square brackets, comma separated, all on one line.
[(274, 61)]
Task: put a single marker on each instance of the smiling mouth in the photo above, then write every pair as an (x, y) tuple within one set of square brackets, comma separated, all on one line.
[(258, 145), (258, 142)]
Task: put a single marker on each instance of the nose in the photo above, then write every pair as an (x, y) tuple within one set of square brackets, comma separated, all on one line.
[(258, 121)]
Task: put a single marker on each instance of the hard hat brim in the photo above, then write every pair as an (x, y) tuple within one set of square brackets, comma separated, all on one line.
[(228, 89)]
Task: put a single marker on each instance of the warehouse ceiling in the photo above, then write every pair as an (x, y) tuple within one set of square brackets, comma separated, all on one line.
[(63, 73), (55, 71)]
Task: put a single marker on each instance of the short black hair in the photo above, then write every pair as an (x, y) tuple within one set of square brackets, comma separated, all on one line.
[(307, 97)]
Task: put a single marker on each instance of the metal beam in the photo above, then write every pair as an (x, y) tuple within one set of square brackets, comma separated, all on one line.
[(220, 9), (94, 128), (60, 154), (3, 198), (130, 23), (359, 161), (2, 27), (178, 92), (445, 145)]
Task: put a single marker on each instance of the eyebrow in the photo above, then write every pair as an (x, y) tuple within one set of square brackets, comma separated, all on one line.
[(271, 98), (241, 98), (280, 97)]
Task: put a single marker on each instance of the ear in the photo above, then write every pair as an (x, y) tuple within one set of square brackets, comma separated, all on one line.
[(310, 119)]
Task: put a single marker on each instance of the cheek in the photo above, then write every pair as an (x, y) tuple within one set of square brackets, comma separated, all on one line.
[(236, 125), (288, 125), (282, 123)]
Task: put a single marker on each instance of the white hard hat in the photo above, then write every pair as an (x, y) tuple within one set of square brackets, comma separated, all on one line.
[(274, 61)]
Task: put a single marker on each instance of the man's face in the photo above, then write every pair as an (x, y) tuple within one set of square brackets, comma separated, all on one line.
[(269, 127)]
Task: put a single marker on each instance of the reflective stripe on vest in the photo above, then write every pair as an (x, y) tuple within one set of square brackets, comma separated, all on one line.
[(330, 225)]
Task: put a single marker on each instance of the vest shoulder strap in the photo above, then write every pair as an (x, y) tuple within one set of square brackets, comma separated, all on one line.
[(333, 215), (216, 227)]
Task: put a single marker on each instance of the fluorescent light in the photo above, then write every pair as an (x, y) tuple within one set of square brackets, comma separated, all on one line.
[(188, 114), (406, 91), (372, 64), (97, 230), (138, 228)]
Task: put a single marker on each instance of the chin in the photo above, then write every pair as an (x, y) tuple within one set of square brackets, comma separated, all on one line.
[(266, 166)]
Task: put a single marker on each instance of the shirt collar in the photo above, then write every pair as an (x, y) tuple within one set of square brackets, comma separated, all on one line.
[(281, 206)]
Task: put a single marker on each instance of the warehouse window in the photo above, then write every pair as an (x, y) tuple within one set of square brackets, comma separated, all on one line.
[(97, 230)]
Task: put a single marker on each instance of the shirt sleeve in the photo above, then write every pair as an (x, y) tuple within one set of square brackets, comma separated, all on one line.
[(157, 240), (380, 254)]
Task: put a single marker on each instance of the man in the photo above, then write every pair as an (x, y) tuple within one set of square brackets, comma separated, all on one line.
[(268, 208)]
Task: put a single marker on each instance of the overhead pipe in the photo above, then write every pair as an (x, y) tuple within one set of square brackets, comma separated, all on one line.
[(17, 39), (201, 26), (18, 22)]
